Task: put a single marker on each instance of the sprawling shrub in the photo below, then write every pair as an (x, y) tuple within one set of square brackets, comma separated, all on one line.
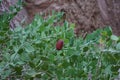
[(30, 52)]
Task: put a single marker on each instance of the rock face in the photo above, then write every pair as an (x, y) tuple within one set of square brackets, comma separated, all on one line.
[(110, 11), (84, 14), (87, 15)]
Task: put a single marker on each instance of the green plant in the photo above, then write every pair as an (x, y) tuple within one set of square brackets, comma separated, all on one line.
[(30, 53)]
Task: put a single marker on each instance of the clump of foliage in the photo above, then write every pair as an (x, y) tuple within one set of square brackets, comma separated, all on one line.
[(30, 52)]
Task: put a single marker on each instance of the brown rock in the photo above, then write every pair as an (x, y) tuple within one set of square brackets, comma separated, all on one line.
[(83, 13)]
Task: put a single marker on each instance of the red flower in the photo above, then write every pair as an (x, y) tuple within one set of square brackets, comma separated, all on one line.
[(59, 44)]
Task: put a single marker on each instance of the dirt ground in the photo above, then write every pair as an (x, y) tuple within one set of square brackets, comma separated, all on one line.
[(88, 15)]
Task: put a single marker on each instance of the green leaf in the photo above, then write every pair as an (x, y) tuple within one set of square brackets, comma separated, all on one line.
[(28, 47), (108, 30), (32, 73), (16, 48), (118, 46), (71, 42), (12, 64), (115, 38), (43, 35), (72, 25), (51, 57), (66, 24), (6, 56), (20, 63), (14, 56), (17, 29), (108, 70), (25, 57)]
